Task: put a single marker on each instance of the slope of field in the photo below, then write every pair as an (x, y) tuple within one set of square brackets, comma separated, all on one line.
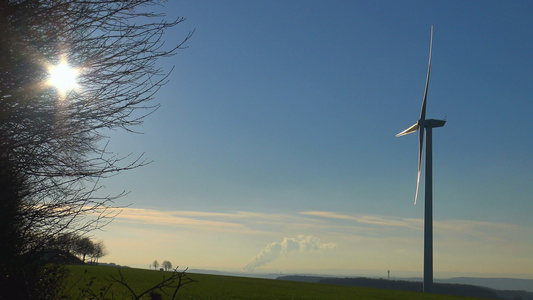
[(225, 287)]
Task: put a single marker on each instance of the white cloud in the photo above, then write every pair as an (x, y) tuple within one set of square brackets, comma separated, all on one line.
[(301, 243)]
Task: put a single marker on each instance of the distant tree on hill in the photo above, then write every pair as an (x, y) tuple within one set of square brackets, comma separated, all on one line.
[(65, 242), (83, 246), (99, 251), (155, 264), (167, 265)]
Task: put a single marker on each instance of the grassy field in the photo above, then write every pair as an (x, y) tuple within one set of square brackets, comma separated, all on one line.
[(227, 287)]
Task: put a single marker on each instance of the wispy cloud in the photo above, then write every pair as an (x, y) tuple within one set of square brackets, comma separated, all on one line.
[(242, 221), (328, 214), (362, 219), (176, 218), (458, 229), (323, 222), (389, 221), (482, 230)]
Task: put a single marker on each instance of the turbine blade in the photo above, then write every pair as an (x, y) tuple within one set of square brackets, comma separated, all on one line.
[(420, 152), (423, 110), (411, 129)]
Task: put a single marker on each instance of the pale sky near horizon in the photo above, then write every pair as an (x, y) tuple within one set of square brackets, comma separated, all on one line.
[(275, 150)]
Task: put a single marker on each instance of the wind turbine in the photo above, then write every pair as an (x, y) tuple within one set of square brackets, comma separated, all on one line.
[(426, 125)]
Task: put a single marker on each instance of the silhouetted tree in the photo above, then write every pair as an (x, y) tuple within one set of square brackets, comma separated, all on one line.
[(167, 265), (53, 148), (98, 252), (65, 242), (155, 264), (83, 246)]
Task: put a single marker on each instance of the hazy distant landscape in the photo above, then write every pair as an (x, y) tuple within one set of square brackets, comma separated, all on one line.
[(493, 283)]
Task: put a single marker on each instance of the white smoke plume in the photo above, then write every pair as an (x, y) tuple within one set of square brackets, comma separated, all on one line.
[(274, 250)]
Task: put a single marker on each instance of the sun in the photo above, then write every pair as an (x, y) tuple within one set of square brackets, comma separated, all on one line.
[(63, 77)]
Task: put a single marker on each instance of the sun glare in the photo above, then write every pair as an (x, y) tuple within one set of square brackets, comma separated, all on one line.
[(63, 77)]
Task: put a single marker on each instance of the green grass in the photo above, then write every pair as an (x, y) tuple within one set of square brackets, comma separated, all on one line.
[(229, 287)]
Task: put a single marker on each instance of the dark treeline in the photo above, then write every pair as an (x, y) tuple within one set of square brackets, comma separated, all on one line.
[(438, 288), (463, 290)]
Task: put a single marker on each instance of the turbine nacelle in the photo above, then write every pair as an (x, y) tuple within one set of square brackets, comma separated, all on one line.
[(434, 123)]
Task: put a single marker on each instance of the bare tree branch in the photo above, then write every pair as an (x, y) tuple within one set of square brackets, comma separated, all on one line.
[(53, 148)]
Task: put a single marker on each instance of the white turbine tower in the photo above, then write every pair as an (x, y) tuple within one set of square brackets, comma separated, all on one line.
[(426, 125)]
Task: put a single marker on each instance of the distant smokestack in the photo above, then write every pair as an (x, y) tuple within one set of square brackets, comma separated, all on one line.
[(274, 250)]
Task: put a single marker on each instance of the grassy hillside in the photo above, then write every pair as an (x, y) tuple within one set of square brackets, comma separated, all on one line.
[(227, 287)]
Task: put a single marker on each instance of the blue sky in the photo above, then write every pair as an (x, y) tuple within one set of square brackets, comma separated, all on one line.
[(274, 147)]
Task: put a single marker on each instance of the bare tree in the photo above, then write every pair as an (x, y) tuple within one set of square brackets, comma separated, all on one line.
[(84, 246), (99, 251), (53, 147), (167, 265), (155, 264)]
